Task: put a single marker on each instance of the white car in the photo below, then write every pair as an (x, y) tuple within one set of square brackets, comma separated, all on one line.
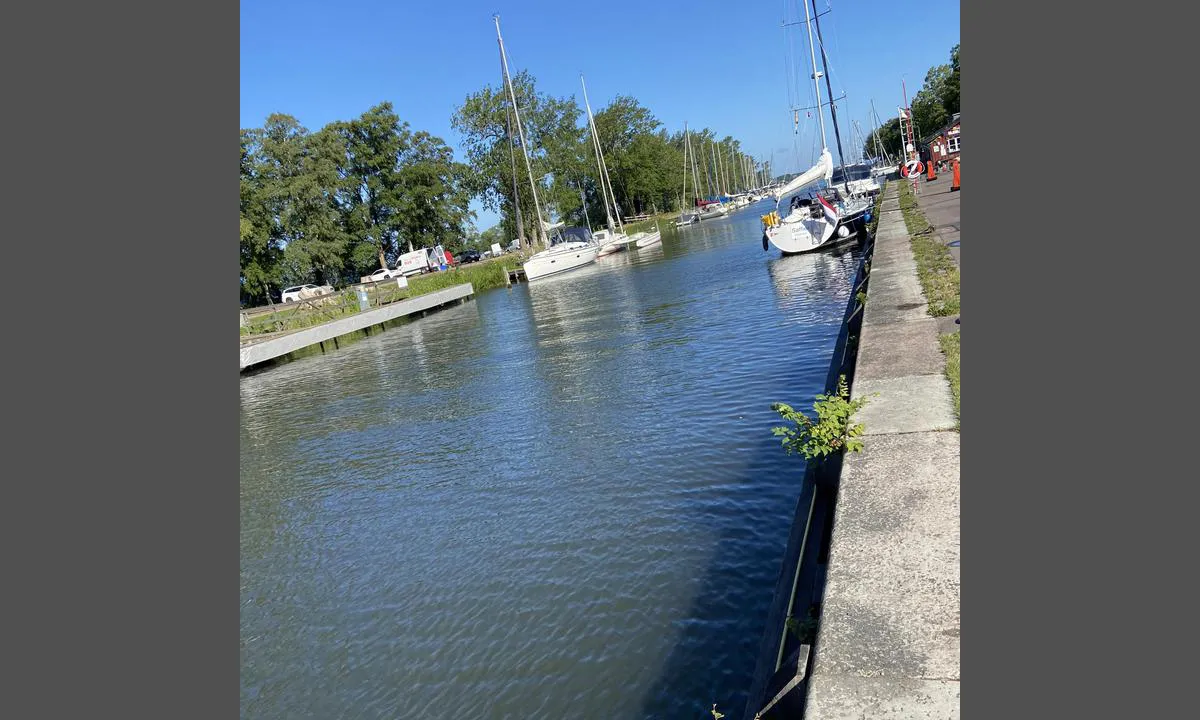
[(381, 275), (304, 292)]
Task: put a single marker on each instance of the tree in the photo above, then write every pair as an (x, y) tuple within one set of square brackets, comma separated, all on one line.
[(433, 205), (554, 145), (928, 108), (632, 151), (491, 236), (316, 238), (259, 250), (290, 223), (371, 191), (950, 91), (889, 139)]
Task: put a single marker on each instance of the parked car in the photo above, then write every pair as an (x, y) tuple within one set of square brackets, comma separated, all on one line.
[(382, 274), (469, 256), (305, 292)]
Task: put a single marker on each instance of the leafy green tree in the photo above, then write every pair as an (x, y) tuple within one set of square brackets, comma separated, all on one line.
[(555, 147), (317, 240), (372, 187), (494, 234), (259, 250), (929, 112), (950, 90), (434, 205), (291, 231), (889, 139), (619, 126), (933, 106)]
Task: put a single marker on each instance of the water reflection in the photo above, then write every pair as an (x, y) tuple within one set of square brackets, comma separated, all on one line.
[(561, 497)]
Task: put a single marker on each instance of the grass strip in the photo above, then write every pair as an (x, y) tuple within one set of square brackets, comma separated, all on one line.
[(935, 266)]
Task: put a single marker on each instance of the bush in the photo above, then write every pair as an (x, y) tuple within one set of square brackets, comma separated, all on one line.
[(830, 433)]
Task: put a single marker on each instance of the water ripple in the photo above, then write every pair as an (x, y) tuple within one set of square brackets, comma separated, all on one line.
[(560, 500)]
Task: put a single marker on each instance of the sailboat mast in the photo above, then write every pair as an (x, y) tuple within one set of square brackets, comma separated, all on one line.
[(599, 156), (722, 181), (683, 197), (832, 105), (603, 165), (812, 53), (712, 150), (540, 229), (695, 175), (583, 199), (879, 150), (731, 174), (512, 154)]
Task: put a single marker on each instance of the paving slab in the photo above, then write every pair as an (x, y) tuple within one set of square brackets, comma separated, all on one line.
[(914, 403), (892, 597), (894, 350), (849, 697)]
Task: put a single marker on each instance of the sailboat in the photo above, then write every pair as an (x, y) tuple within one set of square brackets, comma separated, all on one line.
[(647, 238), (611, 239), (570, 248), (826, 217), (687, 218)]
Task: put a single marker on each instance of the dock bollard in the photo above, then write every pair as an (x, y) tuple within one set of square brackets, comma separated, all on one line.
[(954, 183)]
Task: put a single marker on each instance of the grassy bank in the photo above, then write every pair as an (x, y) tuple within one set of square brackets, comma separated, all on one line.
[(648, 224), (875, 209), (950, 346), (935, 267), (939, 280), (482, 275)]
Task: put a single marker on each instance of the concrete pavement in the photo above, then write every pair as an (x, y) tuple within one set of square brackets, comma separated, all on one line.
[(888, 646)]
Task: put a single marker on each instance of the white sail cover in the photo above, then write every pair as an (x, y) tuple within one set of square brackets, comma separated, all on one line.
[(822, 170)]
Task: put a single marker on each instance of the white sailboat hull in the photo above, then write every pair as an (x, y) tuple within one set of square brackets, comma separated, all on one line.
[(612, 243), (801, 235), (560, 258), (648, 238)]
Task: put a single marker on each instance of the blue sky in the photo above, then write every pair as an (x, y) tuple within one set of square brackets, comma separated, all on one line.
[(715, 64)]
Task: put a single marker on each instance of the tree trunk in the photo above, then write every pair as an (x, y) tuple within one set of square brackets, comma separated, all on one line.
[(382, 260)]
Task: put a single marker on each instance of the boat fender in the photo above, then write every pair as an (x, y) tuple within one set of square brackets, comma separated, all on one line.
[(843, 231), (765, 245)]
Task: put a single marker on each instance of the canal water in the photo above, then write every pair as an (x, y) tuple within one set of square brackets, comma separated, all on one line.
[(556, 501)]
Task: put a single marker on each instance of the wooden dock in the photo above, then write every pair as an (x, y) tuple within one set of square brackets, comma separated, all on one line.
[(516, 275), (256, 353)]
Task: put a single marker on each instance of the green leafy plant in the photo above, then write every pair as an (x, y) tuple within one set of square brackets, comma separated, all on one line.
[(832, 432), (804, 630)]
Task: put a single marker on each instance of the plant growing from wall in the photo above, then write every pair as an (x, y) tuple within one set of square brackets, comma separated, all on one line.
[(830, 433)]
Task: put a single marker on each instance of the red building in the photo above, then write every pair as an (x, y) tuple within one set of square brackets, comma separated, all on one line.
[(945, 144)]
